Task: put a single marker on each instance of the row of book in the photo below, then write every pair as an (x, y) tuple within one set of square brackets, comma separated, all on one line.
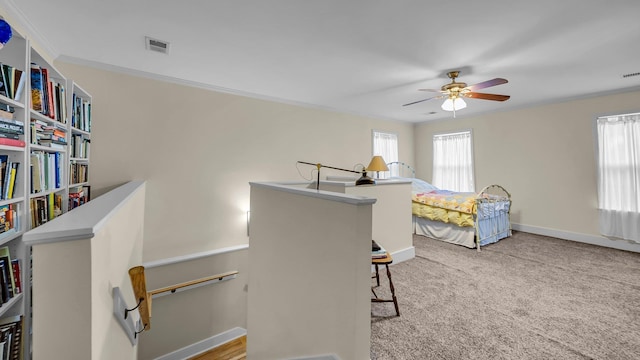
[(9, 220), (11, 130), (52, 135), (78, 173), (45, 208), (47, 95), (11, 82), (8, 177), (81, 114), (11, 329), (46, 172), (78, 195), (80, 146), (10, 276)]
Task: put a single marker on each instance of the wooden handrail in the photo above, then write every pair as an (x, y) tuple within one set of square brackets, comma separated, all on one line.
[(145, 297), (139, 283), (175, 287)]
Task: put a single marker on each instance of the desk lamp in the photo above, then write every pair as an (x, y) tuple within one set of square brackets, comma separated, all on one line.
[(363, 180)]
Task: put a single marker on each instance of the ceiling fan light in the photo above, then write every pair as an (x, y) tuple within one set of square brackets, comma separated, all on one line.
[(452, 104), (459, 104), (447, 105)]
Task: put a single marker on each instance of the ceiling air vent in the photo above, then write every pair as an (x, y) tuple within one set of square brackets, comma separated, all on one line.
[(156, 45), (631, 74)]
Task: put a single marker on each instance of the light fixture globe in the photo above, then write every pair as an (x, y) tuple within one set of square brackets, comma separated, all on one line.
[(454, 104)]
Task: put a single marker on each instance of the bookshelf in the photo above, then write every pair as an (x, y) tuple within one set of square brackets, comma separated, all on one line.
[(45, 137)]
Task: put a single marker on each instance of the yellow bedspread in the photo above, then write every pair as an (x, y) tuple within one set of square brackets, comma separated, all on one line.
[(445, 206)]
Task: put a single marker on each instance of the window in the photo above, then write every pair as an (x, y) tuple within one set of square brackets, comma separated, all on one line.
[(385, 145), (619, 176), (453, 162)]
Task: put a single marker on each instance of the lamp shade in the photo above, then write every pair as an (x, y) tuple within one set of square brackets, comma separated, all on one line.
[(377, 164), (452, 104)]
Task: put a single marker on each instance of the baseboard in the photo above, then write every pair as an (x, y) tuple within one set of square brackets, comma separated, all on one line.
[(619, 244), (403, 255), (204, 345), (320, 357)]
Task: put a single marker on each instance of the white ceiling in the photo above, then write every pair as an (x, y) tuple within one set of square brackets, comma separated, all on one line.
[(367, 57)]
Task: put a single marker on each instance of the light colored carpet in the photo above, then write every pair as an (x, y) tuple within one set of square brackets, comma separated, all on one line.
[(525, 297)]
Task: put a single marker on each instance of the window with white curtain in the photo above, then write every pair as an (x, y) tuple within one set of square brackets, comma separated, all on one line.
[(619, 175), (453, 162), (385, 145)]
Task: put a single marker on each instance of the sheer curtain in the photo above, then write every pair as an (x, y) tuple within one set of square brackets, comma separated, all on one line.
[(619, 176), (453, 162), (385, 145)]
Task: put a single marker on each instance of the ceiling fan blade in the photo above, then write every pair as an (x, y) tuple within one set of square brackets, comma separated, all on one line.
[(483, 96), (419, 101), (486, 84), (431, 90)]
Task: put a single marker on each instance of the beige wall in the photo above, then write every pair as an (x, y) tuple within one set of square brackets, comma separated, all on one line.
[(309, 289), (197, 150), (544, 156), (92, 267)]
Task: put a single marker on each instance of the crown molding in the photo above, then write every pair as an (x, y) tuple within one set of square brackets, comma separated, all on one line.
[(26, 27)]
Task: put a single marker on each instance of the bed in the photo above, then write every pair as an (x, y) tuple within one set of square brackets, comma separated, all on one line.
[(468, 219)]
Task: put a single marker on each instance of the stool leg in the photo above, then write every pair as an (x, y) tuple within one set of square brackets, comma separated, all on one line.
[(377, 276), (393, 291)]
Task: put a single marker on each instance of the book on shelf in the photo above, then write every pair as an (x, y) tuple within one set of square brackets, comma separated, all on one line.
[(9, 136), (7, 219), (16, 266), (12, 142), (11, 329), (9, 174), (5, 282), (7, 80), (4, 164), (11, 127), (12, 180), (18, 84), (3, 84), (39, 210), (7, 107), (37, 89), (5, 256)]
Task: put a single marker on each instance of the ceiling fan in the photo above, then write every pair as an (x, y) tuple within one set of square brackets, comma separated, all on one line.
[(455, 91)]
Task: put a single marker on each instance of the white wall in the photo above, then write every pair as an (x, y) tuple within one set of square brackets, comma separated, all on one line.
[(544, 156)]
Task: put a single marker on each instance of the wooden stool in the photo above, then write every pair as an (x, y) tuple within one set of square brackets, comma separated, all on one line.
[(385, 261)]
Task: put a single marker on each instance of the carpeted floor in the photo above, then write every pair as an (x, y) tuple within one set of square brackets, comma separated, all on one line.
[(525, 297)]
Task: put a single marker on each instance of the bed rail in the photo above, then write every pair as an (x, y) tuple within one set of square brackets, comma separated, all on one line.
[(494, 218), (490, 189), (397, 168)]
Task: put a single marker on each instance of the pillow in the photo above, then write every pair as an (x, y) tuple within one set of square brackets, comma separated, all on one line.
[(421, 186)]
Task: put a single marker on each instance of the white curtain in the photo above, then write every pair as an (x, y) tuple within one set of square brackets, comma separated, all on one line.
[(453, 162), (619, 176), (385, 145)]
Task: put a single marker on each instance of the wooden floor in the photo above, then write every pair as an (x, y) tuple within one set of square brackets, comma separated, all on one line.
[(233, 350)]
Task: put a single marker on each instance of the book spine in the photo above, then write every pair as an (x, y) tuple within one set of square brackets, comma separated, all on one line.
[(12, 142)]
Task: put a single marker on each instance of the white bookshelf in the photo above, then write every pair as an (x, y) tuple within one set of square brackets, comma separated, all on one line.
[(19, 54)]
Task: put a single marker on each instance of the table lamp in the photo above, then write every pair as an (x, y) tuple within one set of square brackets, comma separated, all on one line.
[(377, 164)]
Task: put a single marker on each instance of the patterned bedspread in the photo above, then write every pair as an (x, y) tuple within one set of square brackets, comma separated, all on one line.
[(446, 199), (446, 206)]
